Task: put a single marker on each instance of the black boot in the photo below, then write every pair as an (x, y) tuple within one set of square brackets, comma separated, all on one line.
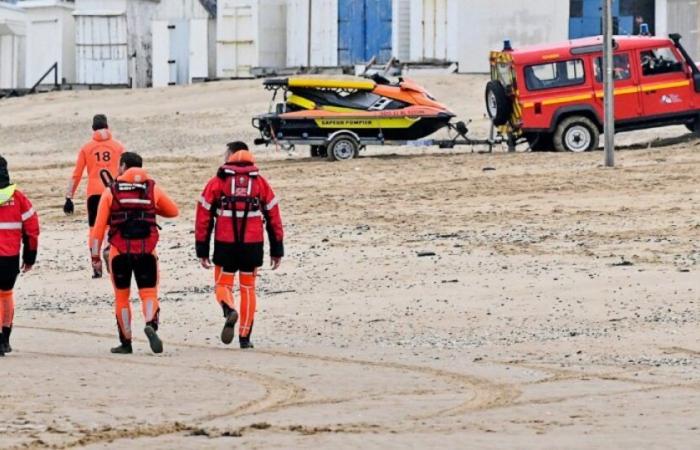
[(245, 341), (231, 316), (5, 341), (152, 335), (2, 352), (122, 349), (125, 347)]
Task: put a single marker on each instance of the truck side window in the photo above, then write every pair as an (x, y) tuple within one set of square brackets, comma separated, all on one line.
[(659, 61), (554, 75), (621, 68)]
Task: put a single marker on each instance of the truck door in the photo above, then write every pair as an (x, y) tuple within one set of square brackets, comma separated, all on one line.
[(627, 98), (665, 82)]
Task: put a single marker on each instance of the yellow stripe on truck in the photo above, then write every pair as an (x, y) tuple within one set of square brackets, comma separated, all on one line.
[(619, 91), (658, 86)]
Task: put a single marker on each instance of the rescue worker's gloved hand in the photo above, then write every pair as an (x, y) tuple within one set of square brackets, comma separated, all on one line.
[(68, 207), (97, 264), (275, 262)]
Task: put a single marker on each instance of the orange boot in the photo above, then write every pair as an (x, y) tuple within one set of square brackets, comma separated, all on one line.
[(248, 303), (7, 313), (224, 296)]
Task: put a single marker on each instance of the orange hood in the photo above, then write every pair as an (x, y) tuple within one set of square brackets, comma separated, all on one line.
[(134, 175), (241, 157), (102, 135)]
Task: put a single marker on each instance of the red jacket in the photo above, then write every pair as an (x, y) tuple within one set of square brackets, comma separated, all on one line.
[(213, 214), (18, 223)]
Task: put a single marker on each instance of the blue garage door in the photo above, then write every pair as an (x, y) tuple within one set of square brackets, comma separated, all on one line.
[(364, 31), (586, 17)]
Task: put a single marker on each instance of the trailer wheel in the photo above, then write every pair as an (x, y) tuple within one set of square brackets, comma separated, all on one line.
[(498, 105), (343, 147), (576, 134)]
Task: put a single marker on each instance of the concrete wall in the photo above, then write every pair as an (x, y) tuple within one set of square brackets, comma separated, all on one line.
[(484, 24), (680, 16)]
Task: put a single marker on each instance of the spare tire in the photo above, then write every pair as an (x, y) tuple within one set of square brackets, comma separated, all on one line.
[(498, 105)]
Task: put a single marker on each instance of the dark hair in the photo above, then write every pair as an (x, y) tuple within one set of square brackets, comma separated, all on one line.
[(99, 122), (4, 174), (131, 159), (235, 146)]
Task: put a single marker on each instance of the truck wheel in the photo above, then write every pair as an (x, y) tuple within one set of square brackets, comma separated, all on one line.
[(498, 105), (343, 147), (576, 134), (694, 126)]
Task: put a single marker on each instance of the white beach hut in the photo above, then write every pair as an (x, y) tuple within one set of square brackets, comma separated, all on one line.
[(13, 30), (113, 42), (329, 33), (250, 33), (184, 42), (50, 40)]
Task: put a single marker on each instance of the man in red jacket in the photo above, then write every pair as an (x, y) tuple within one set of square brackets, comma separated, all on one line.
[(19, 225), (236, 205)]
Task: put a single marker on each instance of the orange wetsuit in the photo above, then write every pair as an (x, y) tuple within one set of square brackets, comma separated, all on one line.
[(144, 266), (102, 152)]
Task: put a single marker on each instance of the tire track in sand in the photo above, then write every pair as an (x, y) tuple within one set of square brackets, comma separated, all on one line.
[(478, 393)]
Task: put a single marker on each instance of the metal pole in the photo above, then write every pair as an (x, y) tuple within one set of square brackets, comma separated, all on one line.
[(608, 82)]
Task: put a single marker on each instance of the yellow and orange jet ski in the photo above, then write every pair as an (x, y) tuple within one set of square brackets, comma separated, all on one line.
[(339, 116)]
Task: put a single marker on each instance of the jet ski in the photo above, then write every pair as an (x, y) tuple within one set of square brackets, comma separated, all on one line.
[(366, 110)]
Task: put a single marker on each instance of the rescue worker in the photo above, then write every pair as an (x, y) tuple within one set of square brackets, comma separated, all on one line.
[(19, 227), (102, 152), (129, 206), (236, 205)]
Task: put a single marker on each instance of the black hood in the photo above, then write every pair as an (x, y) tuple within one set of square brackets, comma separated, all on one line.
[(4, 174)]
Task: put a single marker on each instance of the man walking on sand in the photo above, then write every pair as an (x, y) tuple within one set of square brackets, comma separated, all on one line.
[(19, 227), (101, 153), (130, 207), (237, 204)]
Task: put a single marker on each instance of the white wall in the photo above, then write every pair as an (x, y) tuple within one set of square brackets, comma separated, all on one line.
[(401, 29), (323, 32), (485, 24), (193, 29), (13, 28), (250, 33), (180, 9), (50, 39), (465, 32)]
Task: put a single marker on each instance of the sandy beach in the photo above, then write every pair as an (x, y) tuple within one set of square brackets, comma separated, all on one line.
[(558, 306)]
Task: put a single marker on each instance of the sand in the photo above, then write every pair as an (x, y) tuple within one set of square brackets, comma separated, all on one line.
[(560, 308)]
